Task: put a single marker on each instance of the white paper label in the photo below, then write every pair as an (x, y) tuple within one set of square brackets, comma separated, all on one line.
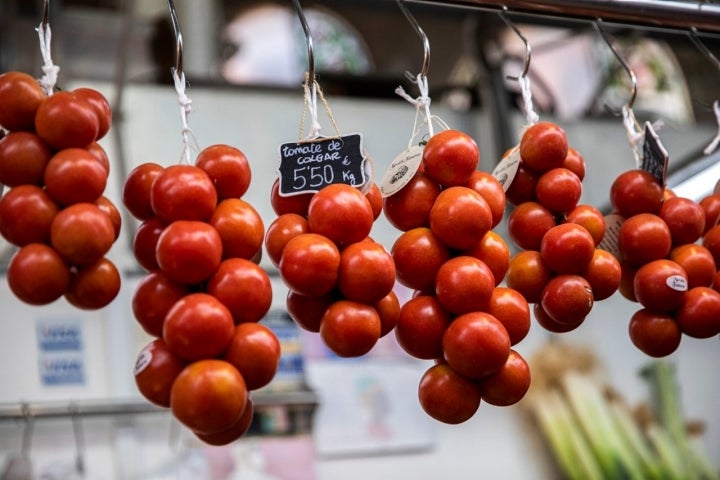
[(401, 170), (143, 360), (506, 170), (677, 282), (609, 241)]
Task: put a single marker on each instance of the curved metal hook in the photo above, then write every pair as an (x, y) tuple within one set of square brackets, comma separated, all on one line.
[(309, 40), (178, 38), (426, 42), (46, 13), (528, 49), (626, 67)]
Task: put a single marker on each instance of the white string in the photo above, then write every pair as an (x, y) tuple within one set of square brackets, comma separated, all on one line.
[(311, 102), (50, 70), (422, 102), (189, 142), (530, 115), (635, 136), (715, 141)]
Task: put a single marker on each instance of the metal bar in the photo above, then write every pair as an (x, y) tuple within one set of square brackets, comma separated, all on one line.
[(666, 14)]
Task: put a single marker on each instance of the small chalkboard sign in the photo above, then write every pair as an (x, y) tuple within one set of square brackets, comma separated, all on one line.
[(655, 157), (309, 166)]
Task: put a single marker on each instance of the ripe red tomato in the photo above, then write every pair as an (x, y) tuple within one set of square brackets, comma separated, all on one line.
[(374, 196), (153, 297), (643, 238), (109, 209), (100, 106), (208, 396), (228, 168), (94, 286), (66, 120), (156, 368), (450, 157), (528, 274), (603, 273), (26, 213), (685, 218), (567, 299), (82, 233), (137, 187), (100, 155), (698, 263), (255, 351), (512, 310), (522, 188), (711, 241), (350, 329), (655, 334), (198, 326), (243, 287), (558, 190), (627, 281), (492, 191), (699, 314), (20, 97), (232, 433), (341, 213), (367, 272), (23, 158), (410, 207), (280, 231), (548, 323), (37, 275), (145, 242), (508, 385), (189, 251), (240, 227), (567, 248), (420, 327), (528, 223), (575, 162), (307, 311), (494, 252), (660, 285), (418, 255), (464, 284), (460, 217), (589, 217), (635, 191), (388, 309), (476, 344), (711, 207), (281, 205), (446, 396), (74, 175), (183, 192), (543, 146), (310, 264)]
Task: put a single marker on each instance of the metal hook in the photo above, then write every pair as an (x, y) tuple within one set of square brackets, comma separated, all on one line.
[(528, 49), (308, 38), (79, 438), (46, 13), (426, 42), (695, 38), (178, 38), (623, 62)]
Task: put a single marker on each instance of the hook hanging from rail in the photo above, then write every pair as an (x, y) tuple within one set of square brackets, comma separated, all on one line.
[(178, 38), (308, 39), (418, 29), (633, 79), (528, 49), (46, 14)]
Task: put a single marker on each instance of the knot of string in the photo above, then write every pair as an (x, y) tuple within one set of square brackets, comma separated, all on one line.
[(715, 141), (50, 70), (635, 136), (530, 115), (422, 102), (311, 89), (185, 103)]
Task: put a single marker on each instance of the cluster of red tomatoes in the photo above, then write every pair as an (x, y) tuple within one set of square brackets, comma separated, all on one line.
[(204, 293), (669, 248), (55, 210), (560, 268), (340, 281), (451, 258)]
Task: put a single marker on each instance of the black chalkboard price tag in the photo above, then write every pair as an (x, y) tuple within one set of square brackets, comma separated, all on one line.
[(655, 157), (311, 165)]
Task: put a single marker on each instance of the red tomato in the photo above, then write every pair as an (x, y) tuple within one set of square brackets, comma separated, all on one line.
[(711, 207), (685, 218), (492, 191), (643, 238), (388, 309), (306, 311), (575, 162), (567, 299), (350, 329), (464, 284), (145, 242), (660, 285), (558, 190), (297, 204), (183, 192), (243, 287), (66, 120), (109, 208), (550, 324), (699, 314), (567, 248), (528, 223), (37, 275), (26, 213), (420, 327), (418, 255), (280, 231), (603, 273), (446, 396), (589, 217), (156, 368), (494, 252), (476, 344), (310, 264), (234, 432), (528, 274), (82, 233), (367, 272), (208, 396), (341, 213), (228, 168), (698, 263), (255, 351), (522, 188), (508, 385), (374, 196), (711, 241), (94, 286), (20, 97), (153, 297), (100, 155), (410, 207), (635, 191), (137, 187), (450, 157), (100, 106), (655, 334), (512, 310), (240, 227), (74, 175), (23, 158), (543, 146), (627, 281), (198, 326), (189, 251), (460, 217)]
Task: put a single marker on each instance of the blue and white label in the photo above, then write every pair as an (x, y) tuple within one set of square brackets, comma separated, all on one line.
[(65, 368), (59, 334)]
